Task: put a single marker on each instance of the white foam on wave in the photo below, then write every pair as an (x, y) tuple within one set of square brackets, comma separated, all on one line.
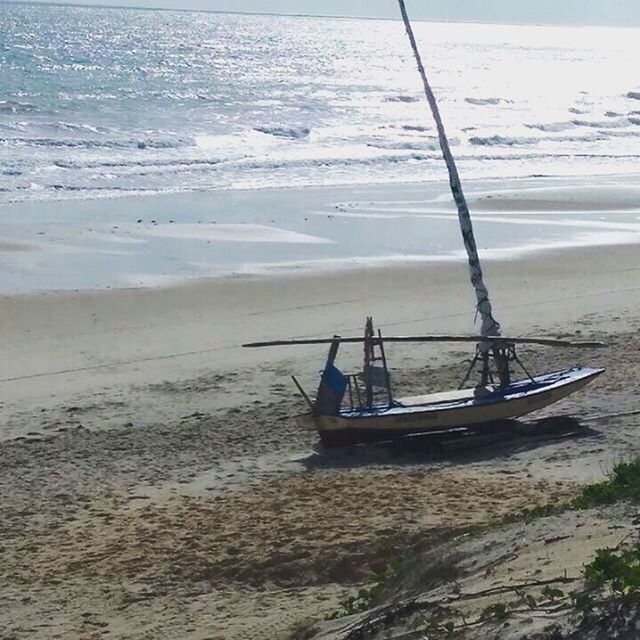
[(553, 127), (17, 107), (410, 145), (402, 98), (111, 237), (497, 140), (295, 133), (485, 101), (93, 143), (416, 127), (603, 124)]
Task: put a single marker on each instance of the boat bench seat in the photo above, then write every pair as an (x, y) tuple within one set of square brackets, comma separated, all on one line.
[(445, 396)]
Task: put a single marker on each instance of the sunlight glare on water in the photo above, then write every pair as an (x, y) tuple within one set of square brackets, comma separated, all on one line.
[(91, 106)]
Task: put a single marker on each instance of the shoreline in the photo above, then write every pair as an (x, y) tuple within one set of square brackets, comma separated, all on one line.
[(139, 242)]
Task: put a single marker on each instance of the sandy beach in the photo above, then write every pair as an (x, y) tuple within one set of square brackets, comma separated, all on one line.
[(177, 183), (154, 483)]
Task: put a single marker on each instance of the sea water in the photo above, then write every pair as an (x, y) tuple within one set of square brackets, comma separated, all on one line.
[(108, 102)]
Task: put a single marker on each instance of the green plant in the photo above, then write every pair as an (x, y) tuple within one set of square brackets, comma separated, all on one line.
[(612, 578), (439, 622), (583, 601), (618, 571), (553, 594), (623, 483), (366, 596), (533, 513), (497, 611)]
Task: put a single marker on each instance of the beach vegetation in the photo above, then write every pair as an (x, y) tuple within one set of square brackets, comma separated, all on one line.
[(533, 513), (615, 571), (495, 611), (610, 598), (367, 596), (613, 575), (622, 484), (438, 623)]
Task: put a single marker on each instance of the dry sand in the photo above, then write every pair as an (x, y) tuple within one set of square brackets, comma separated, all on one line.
[(153, 483)]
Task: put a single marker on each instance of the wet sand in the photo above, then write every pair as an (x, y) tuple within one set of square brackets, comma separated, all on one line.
[(176, 238)]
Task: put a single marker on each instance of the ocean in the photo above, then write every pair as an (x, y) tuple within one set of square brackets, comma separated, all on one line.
[(98, 103)]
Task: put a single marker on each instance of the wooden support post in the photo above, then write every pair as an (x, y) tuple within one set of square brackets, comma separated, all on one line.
[(358, 393), (486, 371), (368, 348), (387, 377)]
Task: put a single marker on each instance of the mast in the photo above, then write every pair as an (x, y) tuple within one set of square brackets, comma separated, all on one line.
[(490, 326)]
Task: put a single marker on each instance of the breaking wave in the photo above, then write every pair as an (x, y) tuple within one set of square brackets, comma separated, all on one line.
[(125, 164), (417, 145), (485, 101), (496, 140), (81, 128), (623, 134), (285, 132), (552, 127), (16, 107), (506, 141), (402, 98), (602, 124), (82, 143), (415, 127)]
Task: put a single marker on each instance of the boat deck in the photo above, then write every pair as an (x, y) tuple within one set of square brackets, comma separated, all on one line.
[(478, 396)]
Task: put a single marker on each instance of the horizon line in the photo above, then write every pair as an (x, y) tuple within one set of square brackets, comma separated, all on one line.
[(84, 5)]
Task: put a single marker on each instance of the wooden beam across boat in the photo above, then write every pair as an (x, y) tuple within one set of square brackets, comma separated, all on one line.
[(549, 342)]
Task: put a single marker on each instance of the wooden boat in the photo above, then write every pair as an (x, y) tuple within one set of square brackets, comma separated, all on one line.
[(438, 412), (361, 407)]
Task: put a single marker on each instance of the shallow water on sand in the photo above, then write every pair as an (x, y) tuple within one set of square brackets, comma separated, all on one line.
[(166, 239)]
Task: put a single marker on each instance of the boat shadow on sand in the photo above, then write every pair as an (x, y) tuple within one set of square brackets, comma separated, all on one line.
[(499, 440)]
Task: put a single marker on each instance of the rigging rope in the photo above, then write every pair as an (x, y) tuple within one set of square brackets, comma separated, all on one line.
[(489, 327)]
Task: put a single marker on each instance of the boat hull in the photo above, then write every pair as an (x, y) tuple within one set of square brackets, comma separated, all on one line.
[(460, 409)]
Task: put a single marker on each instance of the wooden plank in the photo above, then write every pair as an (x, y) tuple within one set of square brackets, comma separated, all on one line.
[(550, 342)]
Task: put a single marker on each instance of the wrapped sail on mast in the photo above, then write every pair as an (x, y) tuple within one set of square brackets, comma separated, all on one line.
[(490, 326)]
